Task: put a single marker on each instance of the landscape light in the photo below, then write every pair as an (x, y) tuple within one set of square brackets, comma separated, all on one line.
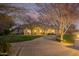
[(77, 35)]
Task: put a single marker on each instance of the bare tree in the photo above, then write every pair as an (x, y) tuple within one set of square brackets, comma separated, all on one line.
[(62, 15)]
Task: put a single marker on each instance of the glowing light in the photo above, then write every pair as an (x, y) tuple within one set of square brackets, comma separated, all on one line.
[(40, 31), (35, 31), (29, 31), (51, 31), (77, 35)]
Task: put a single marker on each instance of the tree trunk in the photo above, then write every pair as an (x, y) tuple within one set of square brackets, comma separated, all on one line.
[(31, 31), (62, 36), (62, 30)]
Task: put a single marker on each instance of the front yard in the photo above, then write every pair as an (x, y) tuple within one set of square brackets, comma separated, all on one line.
[(69, 38), (17, 38), (6, 40)]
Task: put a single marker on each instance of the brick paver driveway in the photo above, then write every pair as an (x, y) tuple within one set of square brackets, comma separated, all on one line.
[(42, 47)]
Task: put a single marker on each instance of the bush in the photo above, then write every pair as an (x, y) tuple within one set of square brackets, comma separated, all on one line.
[(58, 38), (4, 46), (1, 33), (5, 32), (51, 34)]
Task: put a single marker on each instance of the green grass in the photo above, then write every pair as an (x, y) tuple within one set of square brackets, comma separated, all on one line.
[(69, 38), (17, 38)]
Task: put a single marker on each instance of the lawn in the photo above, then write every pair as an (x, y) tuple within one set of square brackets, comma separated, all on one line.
[(69, 38), (5, 40), (17, 38)]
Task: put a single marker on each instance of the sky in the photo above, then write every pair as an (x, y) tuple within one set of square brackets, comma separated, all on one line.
[(33, 11), (28, 6), (25, 5)]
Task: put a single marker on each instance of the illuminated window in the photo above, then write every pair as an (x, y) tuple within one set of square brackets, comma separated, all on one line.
[(29, 31)]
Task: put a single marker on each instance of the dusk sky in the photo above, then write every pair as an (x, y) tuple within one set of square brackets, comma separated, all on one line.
[(32, 11)]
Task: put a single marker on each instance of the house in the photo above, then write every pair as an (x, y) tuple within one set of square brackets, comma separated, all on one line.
[(32, 30), (39, 31)]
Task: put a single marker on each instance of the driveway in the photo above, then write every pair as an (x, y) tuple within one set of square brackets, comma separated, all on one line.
[(42, 47)]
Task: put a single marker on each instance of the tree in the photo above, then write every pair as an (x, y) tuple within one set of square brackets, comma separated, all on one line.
[(10, 13), (5, 23), (71, 29), (62, 15)]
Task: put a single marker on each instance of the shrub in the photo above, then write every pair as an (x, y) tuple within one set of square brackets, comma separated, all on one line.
[(58, 38), (4, 47), (6, 31)]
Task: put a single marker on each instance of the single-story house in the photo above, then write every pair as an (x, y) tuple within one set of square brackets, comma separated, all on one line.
[(38, 31)]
